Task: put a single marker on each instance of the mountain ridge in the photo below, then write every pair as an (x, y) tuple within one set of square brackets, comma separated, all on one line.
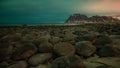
[(80, 18)]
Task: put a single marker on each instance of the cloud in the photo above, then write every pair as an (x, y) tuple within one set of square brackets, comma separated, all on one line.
[(102, 6)]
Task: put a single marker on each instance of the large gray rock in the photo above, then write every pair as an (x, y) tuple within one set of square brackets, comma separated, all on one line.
[(39, 58), (85, 48)]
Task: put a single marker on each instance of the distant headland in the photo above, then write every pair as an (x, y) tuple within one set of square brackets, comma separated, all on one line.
[(80, 18)]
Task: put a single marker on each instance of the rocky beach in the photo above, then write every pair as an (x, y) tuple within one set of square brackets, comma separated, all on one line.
[(61, 46)]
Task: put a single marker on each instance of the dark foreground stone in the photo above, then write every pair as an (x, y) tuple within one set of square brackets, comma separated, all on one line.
[(70, 61)]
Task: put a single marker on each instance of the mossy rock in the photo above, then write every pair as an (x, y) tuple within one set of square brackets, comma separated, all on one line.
[(104, 66), (64, 48), (85, 48), (112, 62), (19, 64), (69, 61), (89, 64)]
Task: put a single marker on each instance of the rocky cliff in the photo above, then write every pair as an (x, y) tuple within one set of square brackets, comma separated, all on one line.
[(78, 18)]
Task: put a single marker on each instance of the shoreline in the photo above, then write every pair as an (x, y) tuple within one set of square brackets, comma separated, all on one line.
[(56, 24)]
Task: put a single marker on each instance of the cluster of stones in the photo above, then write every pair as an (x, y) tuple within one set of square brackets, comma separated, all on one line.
[(56, 48)]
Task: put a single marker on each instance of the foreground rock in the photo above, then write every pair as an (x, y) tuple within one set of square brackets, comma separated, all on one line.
[(104, 66), (55, 40), (45, 47), (70, 61), (4, 64), (70, 38), (103, 62), (24, 51), (39, 58), (111, 62), (85, 48), (64, 49), (108, 51), (101, 41), (41, 66), (5, 50), (20, 64), (12, 37)]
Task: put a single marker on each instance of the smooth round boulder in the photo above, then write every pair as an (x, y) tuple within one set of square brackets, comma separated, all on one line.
[(64, 48), (45, 47), (39, 58), (85, 48), (69, 61)]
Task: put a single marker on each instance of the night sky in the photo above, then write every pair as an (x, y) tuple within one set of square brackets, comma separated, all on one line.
[(53, 11)]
